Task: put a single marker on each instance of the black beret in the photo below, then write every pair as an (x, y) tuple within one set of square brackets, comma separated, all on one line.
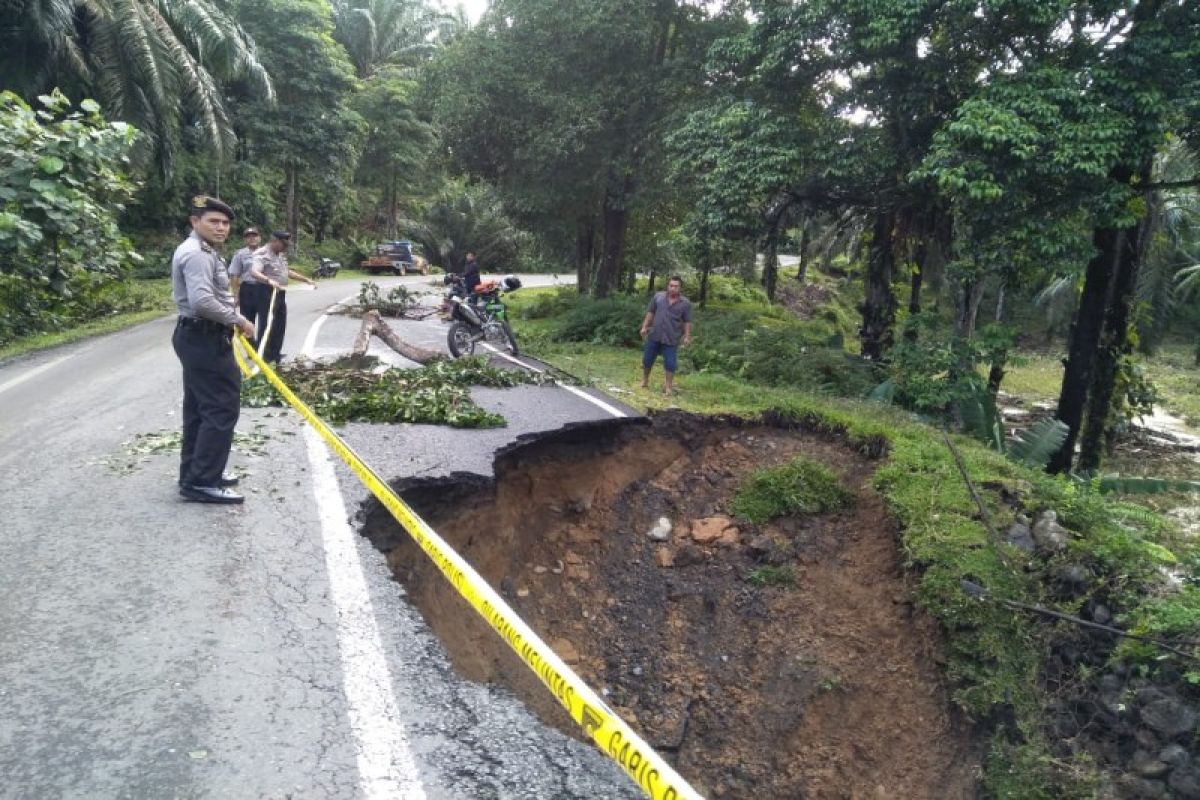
[(284, 235), (202, 202)]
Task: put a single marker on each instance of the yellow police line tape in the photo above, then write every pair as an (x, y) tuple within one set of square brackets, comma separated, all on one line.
[(610, 733)]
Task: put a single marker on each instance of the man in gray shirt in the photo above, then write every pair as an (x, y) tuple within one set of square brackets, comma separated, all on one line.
[(668, 323), (203, 342), (270, 268), (247, 290)]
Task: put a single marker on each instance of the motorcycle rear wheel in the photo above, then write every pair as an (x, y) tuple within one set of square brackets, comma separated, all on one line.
[(461, 340)]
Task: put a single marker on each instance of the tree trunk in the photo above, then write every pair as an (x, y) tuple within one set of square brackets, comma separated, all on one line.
[(1084, 341), (585, 248), (293, 211), (392, 204), (966, 312), (373, 324), (879, 305), (802, 267), (1115, 340), (705, 268), (614, 244), (770, 276)]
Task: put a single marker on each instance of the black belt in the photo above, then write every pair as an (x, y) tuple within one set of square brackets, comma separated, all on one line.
[(206, 325)]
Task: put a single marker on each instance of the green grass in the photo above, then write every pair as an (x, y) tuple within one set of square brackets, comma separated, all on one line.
[(1036, 376), (801, 486), (1172, 370), (159, 287), (1174, 373), (770, 575)]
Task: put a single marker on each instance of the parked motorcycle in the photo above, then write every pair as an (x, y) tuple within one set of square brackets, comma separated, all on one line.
[(327, 268), (480, 317)]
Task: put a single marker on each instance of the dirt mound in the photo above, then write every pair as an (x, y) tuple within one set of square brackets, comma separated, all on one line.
[(804, 300), (782, 660)]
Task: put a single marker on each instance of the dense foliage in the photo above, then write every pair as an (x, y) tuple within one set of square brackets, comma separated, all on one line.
[(63, 182)]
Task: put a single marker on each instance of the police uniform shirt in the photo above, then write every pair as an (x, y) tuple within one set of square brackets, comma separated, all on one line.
[(273, 265), (200, 283), (239, 265)]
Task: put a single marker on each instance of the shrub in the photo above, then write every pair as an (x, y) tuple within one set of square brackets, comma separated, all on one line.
[(544, 304), (800, 354), (801, 486), (63, 182), (733, 290), (612, 321)]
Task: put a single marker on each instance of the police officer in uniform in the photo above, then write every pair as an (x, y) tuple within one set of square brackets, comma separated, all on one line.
[(269, 267), (247, 290), (203, 342)]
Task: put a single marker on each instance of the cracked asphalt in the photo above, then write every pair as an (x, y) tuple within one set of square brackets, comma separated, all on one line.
[(153, 648)]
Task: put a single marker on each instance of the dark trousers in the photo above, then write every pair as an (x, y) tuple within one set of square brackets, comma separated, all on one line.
[(278, 324), (251, 301), (211, 401)]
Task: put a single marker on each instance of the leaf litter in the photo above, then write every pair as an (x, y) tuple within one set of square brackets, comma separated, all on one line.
[(351, 391)]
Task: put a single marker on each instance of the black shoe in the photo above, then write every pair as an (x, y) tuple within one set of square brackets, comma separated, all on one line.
[(226, 479), (210, 494)]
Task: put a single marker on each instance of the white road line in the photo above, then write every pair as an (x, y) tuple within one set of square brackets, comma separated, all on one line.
[(611, 409), (386, 767), (310, 341), (387, 770), (4, 387)]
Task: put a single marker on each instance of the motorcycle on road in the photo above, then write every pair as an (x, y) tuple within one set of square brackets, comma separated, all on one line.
[(480, 316)]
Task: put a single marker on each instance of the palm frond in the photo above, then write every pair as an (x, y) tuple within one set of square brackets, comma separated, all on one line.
[(1036, 445)]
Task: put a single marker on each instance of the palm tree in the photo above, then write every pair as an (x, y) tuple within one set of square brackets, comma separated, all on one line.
[(380, 33), (1172, 268), (157, 64), (467, 219)]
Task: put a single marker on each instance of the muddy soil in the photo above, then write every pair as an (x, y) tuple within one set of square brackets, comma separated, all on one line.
[(826, 688)]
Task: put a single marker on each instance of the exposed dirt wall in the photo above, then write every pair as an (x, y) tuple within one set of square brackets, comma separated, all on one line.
[(782, 660)]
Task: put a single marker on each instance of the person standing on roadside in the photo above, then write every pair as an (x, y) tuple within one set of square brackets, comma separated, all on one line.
[(668, 323), (470, 274), (247, 290), (269, 267), (203, 341)]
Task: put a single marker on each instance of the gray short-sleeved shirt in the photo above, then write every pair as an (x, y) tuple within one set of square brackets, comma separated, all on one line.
[(273, 265), (669, 318), (239, 265), (200, 283)]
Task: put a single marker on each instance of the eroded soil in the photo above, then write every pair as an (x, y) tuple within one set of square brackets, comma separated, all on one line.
[(827, 688)]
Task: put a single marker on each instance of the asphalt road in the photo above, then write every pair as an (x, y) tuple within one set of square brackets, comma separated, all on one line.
[(153, 648)]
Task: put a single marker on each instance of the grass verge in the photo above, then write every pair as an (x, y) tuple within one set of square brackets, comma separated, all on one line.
[(152, 295)]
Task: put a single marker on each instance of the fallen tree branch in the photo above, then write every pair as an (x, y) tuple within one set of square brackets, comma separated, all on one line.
[(373, 324)]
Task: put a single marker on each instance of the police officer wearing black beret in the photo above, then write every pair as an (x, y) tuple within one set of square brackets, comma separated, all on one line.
[(203, 341)]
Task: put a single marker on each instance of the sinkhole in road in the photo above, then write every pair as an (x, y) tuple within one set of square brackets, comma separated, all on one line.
[(782, 659)]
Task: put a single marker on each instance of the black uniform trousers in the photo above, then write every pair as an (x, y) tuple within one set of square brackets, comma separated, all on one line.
[(252, 301), (278, 324), (211, 399)]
